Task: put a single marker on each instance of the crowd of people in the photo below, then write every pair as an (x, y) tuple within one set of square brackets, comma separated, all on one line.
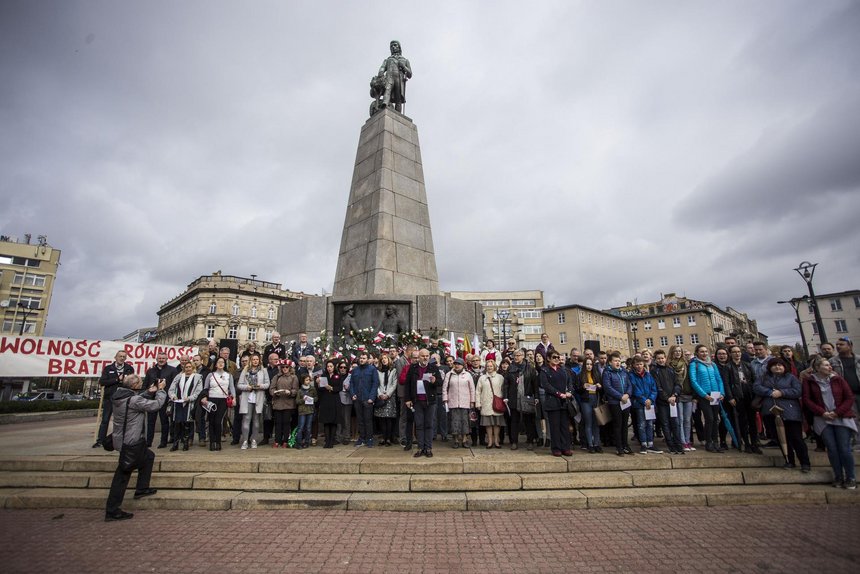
[(412, 396)]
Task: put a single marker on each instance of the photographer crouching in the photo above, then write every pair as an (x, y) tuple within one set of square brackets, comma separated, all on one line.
[(129, 417)]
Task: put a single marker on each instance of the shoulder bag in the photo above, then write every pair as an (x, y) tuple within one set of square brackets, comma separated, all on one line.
[(498, 402)]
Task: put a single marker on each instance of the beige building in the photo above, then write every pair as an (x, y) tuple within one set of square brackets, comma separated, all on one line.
[(27, 274), (840, 314), (511, 314), (570, 326), (223, 307), (675, 320)]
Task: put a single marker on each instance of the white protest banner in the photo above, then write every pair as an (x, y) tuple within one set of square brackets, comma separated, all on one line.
[(47, 357)]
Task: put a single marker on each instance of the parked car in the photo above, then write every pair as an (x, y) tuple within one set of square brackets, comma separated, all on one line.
[(69, 397)]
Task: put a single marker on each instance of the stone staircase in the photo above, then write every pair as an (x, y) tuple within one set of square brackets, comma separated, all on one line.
[(349, 478)]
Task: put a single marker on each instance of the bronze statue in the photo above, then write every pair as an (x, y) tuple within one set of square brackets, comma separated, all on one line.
[(392, 324), (394, 72)]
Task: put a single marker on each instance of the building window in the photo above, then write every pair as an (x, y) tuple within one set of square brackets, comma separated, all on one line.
[(810, 308), (694, 339), (10, 326), (679, 339), (271, 313), (561, 318), (647, 325), (523, 302), (814, 328), (532, 329), (857, 301), (29, 279), (29, 302), (210, 331), (231, 334), (836, 304), (664, 341), (562, 338), (841, 326), (252, 333), (254, 311), (213, 308), (676, 321), (649, 342), (661, 324), (268, 335), (22, 261), (235, 311), (529, 314), (691, 320), (495, 303)]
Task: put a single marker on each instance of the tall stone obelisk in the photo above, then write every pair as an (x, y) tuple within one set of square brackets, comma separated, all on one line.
[(387, 247)]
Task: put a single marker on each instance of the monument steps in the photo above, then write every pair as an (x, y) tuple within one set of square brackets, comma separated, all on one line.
[(387, 479)]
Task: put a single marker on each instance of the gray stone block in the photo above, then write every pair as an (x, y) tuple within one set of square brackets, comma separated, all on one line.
[(405, 185), (408, 234), (381, 254), (411, 210)]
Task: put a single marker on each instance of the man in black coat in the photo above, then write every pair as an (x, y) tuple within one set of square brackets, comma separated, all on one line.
[(160, 371), (423, 381), (111, 379), (668, 391), (521, 375)]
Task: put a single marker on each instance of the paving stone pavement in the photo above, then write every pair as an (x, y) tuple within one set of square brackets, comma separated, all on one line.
[(739, 539)]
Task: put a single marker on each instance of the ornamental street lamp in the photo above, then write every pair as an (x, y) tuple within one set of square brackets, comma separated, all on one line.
[(27, 311), (806, 270), (795, 304), (504, 315), (634, 328)]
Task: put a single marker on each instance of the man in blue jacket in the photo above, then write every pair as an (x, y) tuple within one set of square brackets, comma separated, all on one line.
[(617, 389), (644, 397), (364, 382)]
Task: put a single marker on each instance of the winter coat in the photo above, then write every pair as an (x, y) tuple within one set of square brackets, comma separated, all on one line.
[(387, 386), (195, 387), (644, 388), (364, 382), (300, 400), (742, 389), (616, 383), (705, 379), (488, 386), (284, 401), (530, 382), (555, 382), (667, 383), (842, 396), (458, 390), (329, 399), (138, 406), (244, 387), (791, 391), (430, 389), (836, 363)]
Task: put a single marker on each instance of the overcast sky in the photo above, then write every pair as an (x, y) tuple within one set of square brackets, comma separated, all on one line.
[(601, 151)]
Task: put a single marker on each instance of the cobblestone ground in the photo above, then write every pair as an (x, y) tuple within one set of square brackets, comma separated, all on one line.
[(723, 539)]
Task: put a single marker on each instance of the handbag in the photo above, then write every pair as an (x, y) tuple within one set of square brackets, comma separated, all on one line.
[(572, 409), (498, 404), (602, 414), (231, 401)]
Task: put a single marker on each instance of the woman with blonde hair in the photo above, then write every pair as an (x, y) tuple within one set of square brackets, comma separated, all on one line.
[(680, 365), (490, 384)]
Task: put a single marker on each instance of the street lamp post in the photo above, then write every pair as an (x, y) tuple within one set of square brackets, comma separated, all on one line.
[(27, 310), (634, 328), (795, 304), (806, 270), (504, 315)]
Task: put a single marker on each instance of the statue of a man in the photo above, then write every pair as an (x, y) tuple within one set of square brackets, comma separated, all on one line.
[(395, 71), (392, 324)]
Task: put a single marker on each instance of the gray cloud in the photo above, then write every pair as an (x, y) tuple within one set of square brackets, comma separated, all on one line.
[(601, 152)]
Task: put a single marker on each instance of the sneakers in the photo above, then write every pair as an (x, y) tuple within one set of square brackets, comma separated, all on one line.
[(653, 450), (837, 483), (370, 443), (850, 484), (244, 445), (253, 444), (643, 450), (359, 443)]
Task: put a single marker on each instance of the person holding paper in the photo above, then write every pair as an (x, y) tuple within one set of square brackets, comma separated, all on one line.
[(422, 381), (306, 399), (329, 385), (386, 407), (589, 388), (364, 383), (644, 398), (557, 383), (617, 389), (743, 393), (668, 391), (458, 394), (708, 386), (184, 390), (253, 384), (284, 388), (491, 384)]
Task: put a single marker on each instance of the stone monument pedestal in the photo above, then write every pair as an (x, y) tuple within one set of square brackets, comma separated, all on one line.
[(386, 269)]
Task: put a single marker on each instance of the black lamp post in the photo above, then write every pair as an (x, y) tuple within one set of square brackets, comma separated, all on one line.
[(634, 328), (27, 310), (806, 270), (504, 315), (795, 304)]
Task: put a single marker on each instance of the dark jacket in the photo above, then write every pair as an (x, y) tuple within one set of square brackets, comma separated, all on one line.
[(842, 395), (790, 401), (555, 382), (743, 389), (580, 380), (644, 388), (329, 399), (530, 381), (138, 406), (431, 389), (272, 348), (296, 352), (616, 383), (364, 383), (729, 377), (110, 378), (168, 372), (667, 383)]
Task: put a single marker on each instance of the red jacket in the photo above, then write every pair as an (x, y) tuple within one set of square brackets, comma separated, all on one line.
[(841, 394)]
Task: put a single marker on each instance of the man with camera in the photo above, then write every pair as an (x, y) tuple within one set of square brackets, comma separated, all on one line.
[(131, 409), (111, 379)]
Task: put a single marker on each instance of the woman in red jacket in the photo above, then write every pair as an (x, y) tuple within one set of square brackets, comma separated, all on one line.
[(831, 401)]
